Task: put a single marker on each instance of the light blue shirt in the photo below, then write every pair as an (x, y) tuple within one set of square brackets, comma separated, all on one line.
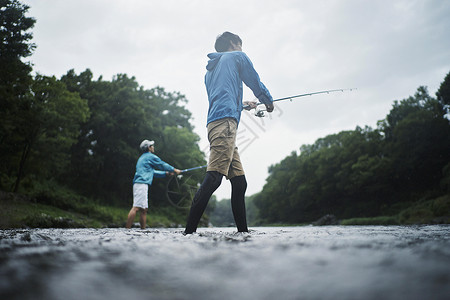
[(145, 168), (225, 73)]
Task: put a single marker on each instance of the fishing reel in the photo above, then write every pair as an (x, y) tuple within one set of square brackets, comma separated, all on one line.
[(259, 113)]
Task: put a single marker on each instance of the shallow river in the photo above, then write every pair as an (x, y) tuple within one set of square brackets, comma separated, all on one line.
[(331, 262)]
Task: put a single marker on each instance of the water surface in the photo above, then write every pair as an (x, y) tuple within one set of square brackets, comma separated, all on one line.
[(330, 262)]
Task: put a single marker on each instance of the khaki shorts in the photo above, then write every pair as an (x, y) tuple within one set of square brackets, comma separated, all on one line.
[(224, 157)]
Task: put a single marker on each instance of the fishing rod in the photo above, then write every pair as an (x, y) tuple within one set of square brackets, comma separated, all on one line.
[(260, 112), (194, 168)]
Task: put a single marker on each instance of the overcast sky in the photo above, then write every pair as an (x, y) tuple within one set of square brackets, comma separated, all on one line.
[(385, 49)]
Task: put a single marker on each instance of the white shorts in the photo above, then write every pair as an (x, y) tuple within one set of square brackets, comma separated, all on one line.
[(140, 195)]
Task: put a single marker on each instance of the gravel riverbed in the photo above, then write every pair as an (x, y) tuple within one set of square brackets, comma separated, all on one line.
[(329, 262)]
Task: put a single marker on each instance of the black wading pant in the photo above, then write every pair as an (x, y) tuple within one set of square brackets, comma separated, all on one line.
[(209, 185)]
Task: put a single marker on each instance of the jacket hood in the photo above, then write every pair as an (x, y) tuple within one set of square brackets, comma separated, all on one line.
[(213, 60)]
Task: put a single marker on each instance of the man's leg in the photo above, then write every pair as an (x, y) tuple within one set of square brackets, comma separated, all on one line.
[(209, 185), (238, 188), (143, 217), (131, 216)]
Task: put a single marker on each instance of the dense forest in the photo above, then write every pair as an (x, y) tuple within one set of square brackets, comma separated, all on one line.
[(367, 172), (75, 139)]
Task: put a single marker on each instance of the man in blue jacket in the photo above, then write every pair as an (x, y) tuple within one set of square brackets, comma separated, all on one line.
[(227, 69), (143, 178)]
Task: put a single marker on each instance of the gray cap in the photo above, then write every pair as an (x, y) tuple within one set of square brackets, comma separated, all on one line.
[(145, 144)]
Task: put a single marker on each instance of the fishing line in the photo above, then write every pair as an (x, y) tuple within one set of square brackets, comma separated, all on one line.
[(180, 189)]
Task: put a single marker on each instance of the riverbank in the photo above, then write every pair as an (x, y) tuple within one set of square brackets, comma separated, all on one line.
[(20, 211)]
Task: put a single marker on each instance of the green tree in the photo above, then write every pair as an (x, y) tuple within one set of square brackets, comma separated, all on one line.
[(122, 115), (419, 141), (221, 214), (443, 94), (47, 127), (15, 79), (60, 115), (14, 45)]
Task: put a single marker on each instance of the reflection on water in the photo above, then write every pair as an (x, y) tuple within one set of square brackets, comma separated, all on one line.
[(331, 262)]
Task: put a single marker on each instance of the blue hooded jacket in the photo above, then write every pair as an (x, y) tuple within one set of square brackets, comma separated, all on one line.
[(145, 168), (225, 73)]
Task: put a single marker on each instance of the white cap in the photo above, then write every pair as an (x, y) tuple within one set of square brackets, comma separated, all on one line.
[(145, 144)]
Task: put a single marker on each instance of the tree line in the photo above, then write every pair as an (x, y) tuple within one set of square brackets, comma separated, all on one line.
[(80, 132), (366, 172)]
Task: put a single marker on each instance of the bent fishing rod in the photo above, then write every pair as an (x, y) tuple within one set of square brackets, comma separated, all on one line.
[(260, 112), (194, 168)]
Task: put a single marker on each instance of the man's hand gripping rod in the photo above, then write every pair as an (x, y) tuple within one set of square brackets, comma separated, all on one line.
[(260, 112)]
